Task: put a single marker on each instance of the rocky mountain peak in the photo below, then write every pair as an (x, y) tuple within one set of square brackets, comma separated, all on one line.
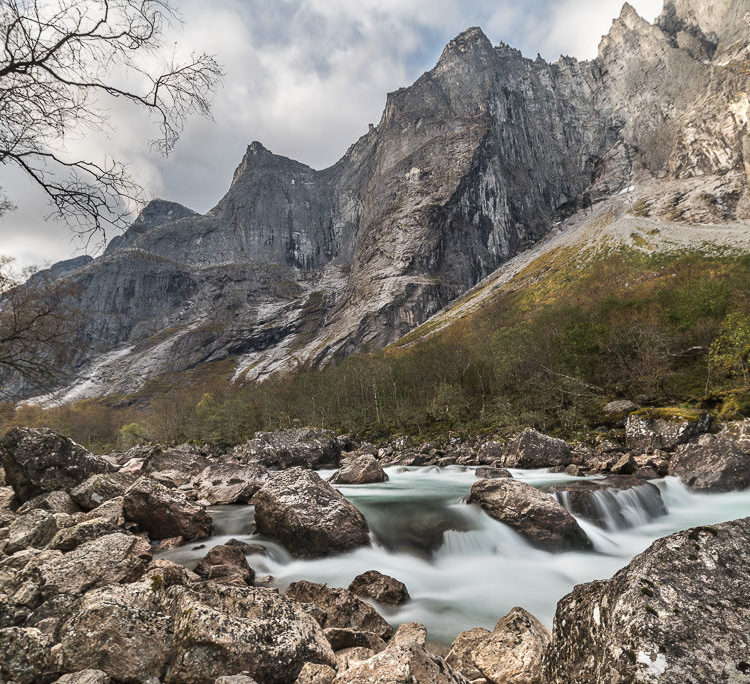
[(156, 213)]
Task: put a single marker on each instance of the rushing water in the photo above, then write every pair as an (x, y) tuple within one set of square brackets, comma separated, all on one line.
[(462, 568)]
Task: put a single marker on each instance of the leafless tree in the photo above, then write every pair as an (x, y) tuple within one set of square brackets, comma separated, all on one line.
[(62, 61), (35, 329)]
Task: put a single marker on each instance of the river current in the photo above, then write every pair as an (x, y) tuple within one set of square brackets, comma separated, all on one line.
[(462, 568)]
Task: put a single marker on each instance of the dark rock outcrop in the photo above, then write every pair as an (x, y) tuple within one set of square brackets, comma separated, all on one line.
[(38, 460), (533, 514), (164, 513), (379, 587), (308, 516), (679, 612)]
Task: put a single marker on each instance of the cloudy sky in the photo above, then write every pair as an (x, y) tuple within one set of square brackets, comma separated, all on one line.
[(304, 77)]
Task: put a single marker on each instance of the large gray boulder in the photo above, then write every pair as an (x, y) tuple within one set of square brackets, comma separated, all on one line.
[(651, 429), (177, 634), (714, 463), (227, 565), (165, 513), (229, 483), (289, 448), (38, 460), (35, 528), (679, 612), (337, 607), (308, 516), (459, 656), (513, 653), (363, 469), (223, 630), (403, 661), (532, 449), (54, 502), (535, 515)]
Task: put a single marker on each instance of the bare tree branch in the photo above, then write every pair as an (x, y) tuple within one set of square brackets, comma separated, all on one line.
[(61, 61)]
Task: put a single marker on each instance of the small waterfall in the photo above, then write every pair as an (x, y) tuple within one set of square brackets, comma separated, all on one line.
[(615, 509)]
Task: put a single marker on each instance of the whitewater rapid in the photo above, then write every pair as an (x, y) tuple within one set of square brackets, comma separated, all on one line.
[(473, 573)]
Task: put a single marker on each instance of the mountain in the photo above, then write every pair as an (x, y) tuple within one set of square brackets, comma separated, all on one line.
[(477, 161)]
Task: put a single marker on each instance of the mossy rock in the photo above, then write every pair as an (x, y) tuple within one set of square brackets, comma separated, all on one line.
[(671, 413)]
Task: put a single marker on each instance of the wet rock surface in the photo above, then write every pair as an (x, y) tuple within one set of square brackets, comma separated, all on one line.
[(678, 612), (226, 564), (308, 516), (533, 514), (379, 587)]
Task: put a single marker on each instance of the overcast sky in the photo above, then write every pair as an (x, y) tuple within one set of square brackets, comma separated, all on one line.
[(304, 77)]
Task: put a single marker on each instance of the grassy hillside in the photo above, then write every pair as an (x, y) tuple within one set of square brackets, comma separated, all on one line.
[(568, 333)]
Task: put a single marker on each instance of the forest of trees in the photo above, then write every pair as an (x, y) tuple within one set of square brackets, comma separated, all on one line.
[(549, 351)]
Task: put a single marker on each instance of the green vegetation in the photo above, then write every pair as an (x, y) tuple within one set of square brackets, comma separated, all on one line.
[(567, 334)]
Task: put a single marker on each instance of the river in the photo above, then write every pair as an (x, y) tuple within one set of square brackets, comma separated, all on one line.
[(462, 568)]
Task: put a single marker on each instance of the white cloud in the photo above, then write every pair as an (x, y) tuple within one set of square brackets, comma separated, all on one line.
[(304, 77)]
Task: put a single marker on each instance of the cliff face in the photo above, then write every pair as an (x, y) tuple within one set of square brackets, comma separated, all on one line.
[(476, 161)]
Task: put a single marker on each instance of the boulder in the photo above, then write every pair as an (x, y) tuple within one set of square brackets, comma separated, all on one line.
[(174, 467), (339, 608), (125, 631), (289, 448), (308, 516), (100, 488), (399, 664), (363, 469), (314, 673), (235, 679), (38, 460), (225, 564), (459, 656), (408, 634), (487, 473), (613, 503), (223, 630), (715, 463), (535, 515), (532, 449), (379, 587), (111, 511), (164, 573), (220, 484), (112, 559), (35, 529), (84, 677), (678, 612), (514, 651), (25, 656), (165, 513), (619, 407), (650, 429), (491, 452), (54, 502), (68, 538)]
